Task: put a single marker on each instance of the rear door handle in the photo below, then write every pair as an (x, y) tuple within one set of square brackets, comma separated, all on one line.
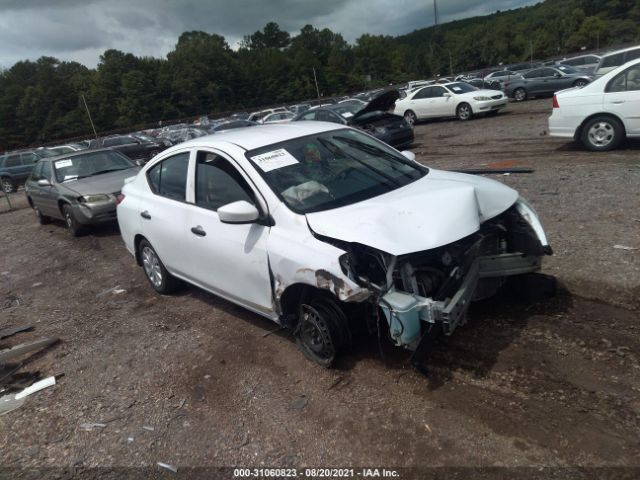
[(145, 215), (617, 102), (198, 231)]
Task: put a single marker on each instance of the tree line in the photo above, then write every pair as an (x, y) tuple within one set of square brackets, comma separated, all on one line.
[(40, 101)]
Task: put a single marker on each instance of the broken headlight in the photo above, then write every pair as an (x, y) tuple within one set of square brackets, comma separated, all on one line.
[(95, 198), (528, 213)]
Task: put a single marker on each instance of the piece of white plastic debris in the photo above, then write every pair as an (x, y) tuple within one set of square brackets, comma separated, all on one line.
[(90, 426), (624, 247), (36, 387), (168, 467), (118, 291), (129, 439), (147, 428), (37, 284)]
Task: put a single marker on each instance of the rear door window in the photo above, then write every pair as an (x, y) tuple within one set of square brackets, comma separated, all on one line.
[(532, 74), (29, 158), (627, 81), (169, 177), (612, 61), (13, 161)]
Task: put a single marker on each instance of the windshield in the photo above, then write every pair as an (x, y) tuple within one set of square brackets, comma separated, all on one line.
[(347, 110), (90, 164), (145, 137), (461, 87), (332, 169), (46, 153)]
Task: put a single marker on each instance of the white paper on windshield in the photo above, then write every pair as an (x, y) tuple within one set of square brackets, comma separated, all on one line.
[(63, 163), (347, 114), (275, 159), (456, 89)]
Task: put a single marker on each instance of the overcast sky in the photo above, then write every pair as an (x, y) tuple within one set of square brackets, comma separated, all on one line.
[(81, 30)]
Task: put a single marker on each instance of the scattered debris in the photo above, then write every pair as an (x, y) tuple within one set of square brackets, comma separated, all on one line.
[(129, 439), (37, 284), (426, 425), (9, 403), (335, 383), (118, 291), (168, 467), (11, 353), (92, 426), (299, 403), (148, 428), (624, 247), (36, 387), (115, 289), (10, 331)]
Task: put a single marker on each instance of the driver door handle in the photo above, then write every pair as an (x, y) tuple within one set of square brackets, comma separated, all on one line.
[(198, 231), (617, 102), (145, 215)]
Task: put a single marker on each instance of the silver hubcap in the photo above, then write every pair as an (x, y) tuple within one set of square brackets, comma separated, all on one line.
[(151, 265), (37, 211), (410, 118), (601, 134), (463, 113), (519, 95), (69, 220), (7, 186)]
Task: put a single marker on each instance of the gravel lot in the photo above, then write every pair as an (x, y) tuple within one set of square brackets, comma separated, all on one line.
[(555, 384)]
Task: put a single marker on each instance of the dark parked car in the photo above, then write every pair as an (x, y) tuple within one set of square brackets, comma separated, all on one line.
[(219, 127), (373, 118), (15, 167), (133, 147), (81, 188), (545, 81)]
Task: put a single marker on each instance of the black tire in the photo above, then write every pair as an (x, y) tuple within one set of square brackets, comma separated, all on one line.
[(7, 185), (464, 112), (602, 133), (74, 227), (42, 219), (157, 275), (520, 94), (321, 331), (580, 83), (410, 117)]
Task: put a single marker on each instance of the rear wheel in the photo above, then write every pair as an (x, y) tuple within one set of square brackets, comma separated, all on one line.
[(464, 112), (7, 185), (602, 133), (42, 219), (410, 117), (520, 94), (580, 83), (74, 227), (322, 330), (157, 275)]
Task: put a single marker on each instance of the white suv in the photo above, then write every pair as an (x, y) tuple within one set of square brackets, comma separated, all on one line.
[(603, 113)]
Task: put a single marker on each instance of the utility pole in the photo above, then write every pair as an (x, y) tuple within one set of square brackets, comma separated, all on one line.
[(450, 64), (531, 47), (89, 114), (598, 40), (435, 12), (316, 80)]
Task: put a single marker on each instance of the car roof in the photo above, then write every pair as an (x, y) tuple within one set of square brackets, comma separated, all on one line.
[(77, 153), (621, 51), (250, 138)]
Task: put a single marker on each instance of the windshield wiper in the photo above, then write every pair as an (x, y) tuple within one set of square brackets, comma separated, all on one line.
[(102, 171)]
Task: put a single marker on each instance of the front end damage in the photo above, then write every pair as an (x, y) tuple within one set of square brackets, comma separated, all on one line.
[(427, 293)]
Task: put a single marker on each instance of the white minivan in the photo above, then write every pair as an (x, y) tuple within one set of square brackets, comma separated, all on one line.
[(615, 59)]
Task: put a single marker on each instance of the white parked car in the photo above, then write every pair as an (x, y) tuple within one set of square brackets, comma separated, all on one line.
[(322, 228), (277, 117), (601, 114), (613, 60), (457, 99)]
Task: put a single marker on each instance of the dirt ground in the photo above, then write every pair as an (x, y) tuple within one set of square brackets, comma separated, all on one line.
[(194, 381)]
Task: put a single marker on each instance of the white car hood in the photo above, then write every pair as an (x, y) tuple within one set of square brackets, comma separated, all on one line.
[(481, 93), (436, 210)]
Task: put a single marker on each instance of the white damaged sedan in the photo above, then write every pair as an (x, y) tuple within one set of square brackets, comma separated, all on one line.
[(323, 228)]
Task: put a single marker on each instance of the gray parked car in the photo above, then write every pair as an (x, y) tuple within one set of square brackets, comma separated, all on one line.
[(81, 188), (545, 81)]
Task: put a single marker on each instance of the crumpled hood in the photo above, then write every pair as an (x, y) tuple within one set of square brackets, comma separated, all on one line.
[(111, 182), (436, 210)]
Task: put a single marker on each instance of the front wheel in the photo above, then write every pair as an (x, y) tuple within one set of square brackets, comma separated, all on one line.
[(157, 275), (321, 331), (410, 117), (74, 227), (602, 133), (520, 94), (42, 220), (464, 112), (7, 185)]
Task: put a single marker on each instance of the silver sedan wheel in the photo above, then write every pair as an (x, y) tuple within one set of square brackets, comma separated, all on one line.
[(520, 95), (151, 264), (601, 134), (464, 112), (7, 185), (410, 118)]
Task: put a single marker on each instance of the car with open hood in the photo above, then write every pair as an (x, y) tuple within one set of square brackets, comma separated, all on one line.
[(456, 99), (80, 188), (326, 230), (372, 117)]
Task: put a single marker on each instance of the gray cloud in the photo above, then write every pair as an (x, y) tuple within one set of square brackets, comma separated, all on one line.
[(82, 29)]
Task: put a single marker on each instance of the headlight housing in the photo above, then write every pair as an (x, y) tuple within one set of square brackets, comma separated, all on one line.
[(95, 198), (528, 213), (481, 99)]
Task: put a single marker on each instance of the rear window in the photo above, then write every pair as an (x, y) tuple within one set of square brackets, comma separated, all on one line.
[(632, 55), (612, 61), (169, 177)]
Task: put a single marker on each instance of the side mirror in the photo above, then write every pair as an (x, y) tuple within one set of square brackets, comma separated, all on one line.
[(44, 183), (238, 212), (409, 154), (557, 75), (447, 95)]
